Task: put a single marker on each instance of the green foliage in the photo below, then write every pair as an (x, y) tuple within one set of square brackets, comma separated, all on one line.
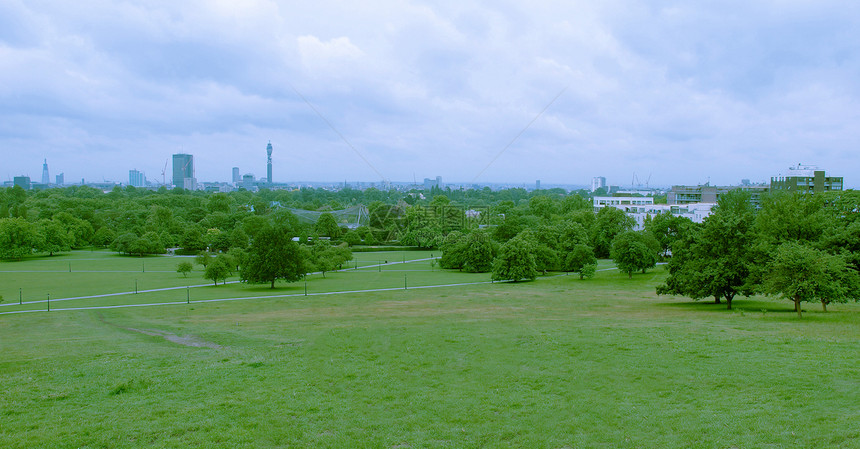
[(104, 237), (478, 250), (633, 251), (516, 260), (18, 238), (542, 206), (581, 259), (327, 226), (471, 252), (575, 202), (184, 268), (514, 222), (219, 268), (273, 255), (53, 237), (668, 229), (717, 258), (193, 239), (608, 222), (326, 257), (203, 258), (351, 238), (790, 217), (367, 236), (803, 274), (588, 271), (452, 255), (131, 244), (844, 239)]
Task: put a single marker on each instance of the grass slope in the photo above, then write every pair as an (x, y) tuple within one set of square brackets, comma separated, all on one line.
[(553, 363)]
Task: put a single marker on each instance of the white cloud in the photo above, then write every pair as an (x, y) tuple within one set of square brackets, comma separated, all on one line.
[(684, 91)]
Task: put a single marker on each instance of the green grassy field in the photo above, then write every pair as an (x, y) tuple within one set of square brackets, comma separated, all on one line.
[(553, 363)]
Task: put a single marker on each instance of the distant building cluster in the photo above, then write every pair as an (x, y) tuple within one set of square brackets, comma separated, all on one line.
[(640, 208), (430, 183), (692, 201), (136, 178), (696, 201)]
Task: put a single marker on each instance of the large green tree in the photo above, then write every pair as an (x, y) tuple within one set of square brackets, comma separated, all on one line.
[(219, 268), (634, 251), (581, 259), (803, 274), (516, 260), (474, 252), (668, 229), (608, 222), (273, 255), (326, 257), (18, 238), (452, 254), (327, 226), (716, 259), (54, 237)]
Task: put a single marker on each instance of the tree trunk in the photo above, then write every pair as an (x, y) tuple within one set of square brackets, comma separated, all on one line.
[(824, 305), (717, 299), (630, 275), (797, 306), (729, 303), (273, 283)]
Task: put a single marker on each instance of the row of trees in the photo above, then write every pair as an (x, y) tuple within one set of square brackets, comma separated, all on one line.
[(272, 255), (801, 247), (137, 221)]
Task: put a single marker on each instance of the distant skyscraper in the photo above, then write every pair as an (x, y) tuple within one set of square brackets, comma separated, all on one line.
[(269, 163), (23, 181), (183, 171), (248, 181), (46, 178), (61, 179), (537, 184), (237, 178), (136, 178), (439, 182), (598, 182)]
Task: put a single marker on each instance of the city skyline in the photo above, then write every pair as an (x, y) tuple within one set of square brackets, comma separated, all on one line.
[(183, 169), (475, 93)]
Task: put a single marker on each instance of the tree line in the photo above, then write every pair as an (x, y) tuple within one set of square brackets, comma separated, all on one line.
[(803, 247)]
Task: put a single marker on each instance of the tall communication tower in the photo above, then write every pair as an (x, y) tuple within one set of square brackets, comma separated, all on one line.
[(46, 178), (269, 163)]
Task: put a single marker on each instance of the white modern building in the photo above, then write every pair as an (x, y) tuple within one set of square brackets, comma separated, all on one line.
[(640, 208)]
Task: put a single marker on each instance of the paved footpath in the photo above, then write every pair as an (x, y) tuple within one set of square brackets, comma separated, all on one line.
[(291, 295)]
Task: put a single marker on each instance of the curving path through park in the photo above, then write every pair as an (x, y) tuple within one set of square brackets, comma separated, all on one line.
[(290, 295)]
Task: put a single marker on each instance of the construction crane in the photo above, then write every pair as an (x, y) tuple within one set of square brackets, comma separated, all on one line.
[(163, 171)]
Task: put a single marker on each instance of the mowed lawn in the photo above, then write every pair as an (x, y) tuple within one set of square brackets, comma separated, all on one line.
[(553, 363)]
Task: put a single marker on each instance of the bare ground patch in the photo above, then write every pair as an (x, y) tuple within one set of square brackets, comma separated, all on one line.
[(185, 340)]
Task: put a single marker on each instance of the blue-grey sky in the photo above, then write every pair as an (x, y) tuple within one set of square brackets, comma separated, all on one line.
[(681, 92)]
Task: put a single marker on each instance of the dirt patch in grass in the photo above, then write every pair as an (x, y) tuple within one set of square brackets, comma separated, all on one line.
[(185, 340)]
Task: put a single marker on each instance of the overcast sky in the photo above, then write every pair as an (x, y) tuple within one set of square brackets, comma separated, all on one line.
[(678, 92)]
